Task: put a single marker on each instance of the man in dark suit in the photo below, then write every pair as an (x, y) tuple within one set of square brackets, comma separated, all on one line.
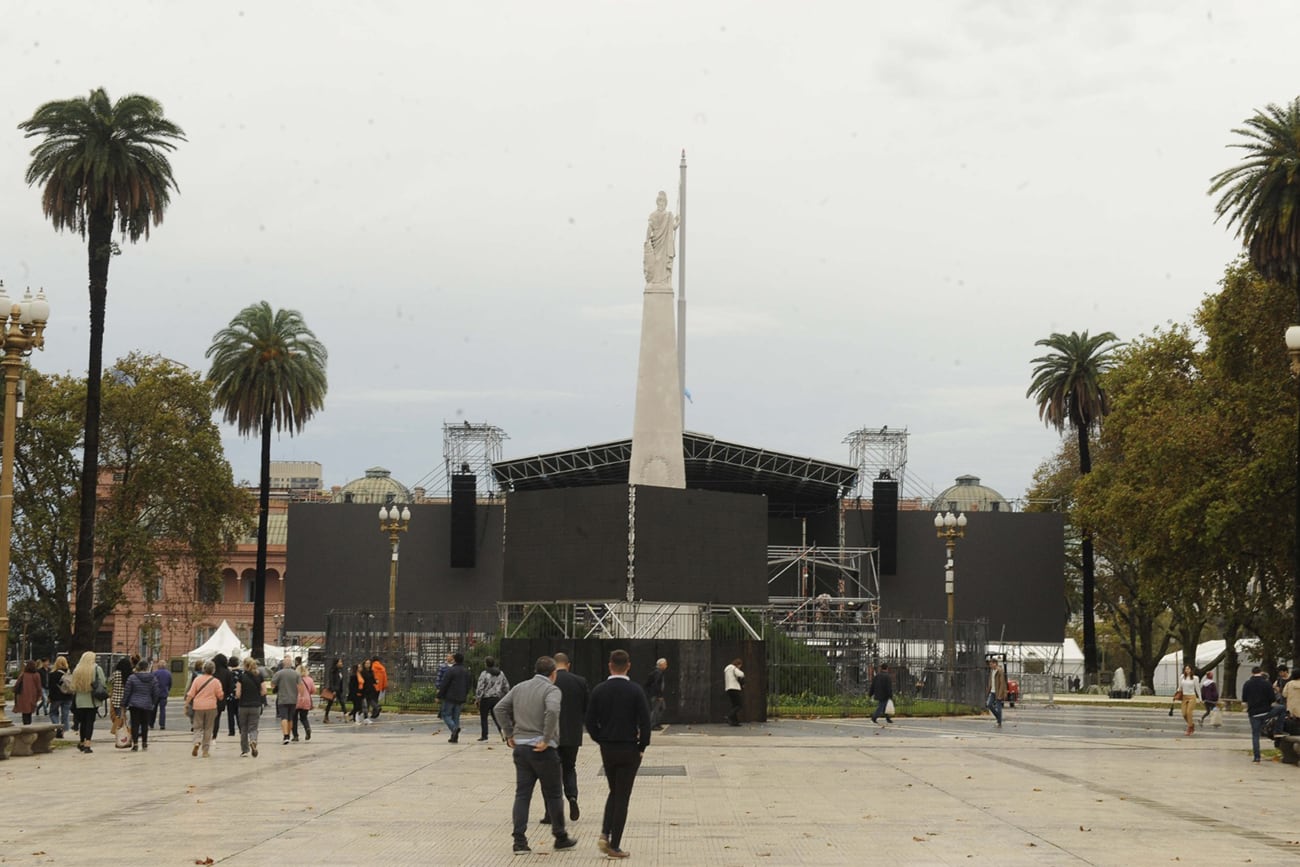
[(573, 709), (618, 718)]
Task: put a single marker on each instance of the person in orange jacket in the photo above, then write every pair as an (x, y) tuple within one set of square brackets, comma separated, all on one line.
[(381, 683)]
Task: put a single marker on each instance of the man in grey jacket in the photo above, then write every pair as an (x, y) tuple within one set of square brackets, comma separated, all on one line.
[(530, 719)]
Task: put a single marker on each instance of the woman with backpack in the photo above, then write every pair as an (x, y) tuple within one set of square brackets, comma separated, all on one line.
[(491, 688), (333, 691), (61, 695)]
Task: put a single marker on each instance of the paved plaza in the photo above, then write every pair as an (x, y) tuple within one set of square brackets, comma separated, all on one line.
[(1057, 785)]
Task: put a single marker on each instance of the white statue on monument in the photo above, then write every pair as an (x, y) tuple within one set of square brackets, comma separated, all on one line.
[(660, 243)]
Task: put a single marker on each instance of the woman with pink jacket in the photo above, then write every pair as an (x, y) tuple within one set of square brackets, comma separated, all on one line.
[(204, 696)]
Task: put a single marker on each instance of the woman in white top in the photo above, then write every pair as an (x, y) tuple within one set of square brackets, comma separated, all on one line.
[(1190, 686)]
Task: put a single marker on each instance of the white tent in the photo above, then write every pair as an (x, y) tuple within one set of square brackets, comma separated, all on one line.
[(1170, 668), (224, 640)]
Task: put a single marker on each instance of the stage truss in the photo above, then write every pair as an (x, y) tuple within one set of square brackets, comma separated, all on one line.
[(876, 451)]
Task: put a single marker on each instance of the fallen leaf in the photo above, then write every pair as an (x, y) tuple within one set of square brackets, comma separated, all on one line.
[(919, 839), (1081, 828)]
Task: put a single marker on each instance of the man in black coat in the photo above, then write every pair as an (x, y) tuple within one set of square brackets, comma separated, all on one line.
[(453, 692), (573, 710), (882, 690), (654, 690), (618, 718)]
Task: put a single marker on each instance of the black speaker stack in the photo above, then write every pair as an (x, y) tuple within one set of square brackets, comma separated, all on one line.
[(464, 500), (884, 523)]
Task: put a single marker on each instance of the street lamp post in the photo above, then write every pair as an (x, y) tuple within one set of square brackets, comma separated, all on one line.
[(1293, 350), (22, 329), (394, 523), (950, 528)]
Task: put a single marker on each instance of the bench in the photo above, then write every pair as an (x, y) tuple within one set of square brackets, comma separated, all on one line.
[(34, 738), (7, 737), (1287, 744)]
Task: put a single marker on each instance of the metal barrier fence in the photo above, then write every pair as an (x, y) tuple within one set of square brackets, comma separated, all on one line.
[(813, 665)]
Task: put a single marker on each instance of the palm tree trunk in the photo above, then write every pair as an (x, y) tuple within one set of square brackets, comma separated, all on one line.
[(1089, 576), (100, 251), (263, 511)]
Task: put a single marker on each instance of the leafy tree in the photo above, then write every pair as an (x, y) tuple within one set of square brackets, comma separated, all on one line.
[(101, 164), (168, 498), (1261, 197), (268, 370), (1067, 387)]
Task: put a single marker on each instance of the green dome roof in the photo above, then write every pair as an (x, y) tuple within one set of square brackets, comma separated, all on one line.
[(968, 495), (377, 487)]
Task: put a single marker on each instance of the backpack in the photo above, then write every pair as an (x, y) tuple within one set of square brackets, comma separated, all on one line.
[(65, 684)]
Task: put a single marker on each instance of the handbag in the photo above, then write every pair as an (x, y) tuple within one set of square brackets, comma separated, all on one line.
[(889, 708), (327, 694), (1178, 696)]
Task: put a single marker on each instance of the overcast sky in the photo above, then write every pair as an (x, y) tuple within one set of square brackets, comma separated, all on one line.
[(888, 205)]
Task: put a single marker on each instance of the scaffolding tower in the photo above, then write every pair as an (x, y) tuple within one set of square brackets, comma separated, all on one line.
[(467, 447), (875, 451)]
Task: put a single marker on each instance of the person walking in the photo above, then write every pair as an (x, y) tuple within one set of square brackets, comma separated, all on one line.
[(997, 690), (306, 692), (250, 693), (618, 719), (1189, 693), (882, 690), (333, 690), (1257, 694), (452, 693), (491, 688), (125, 666), (381, 685), (139, 699), (61, 695), (733, 681), (654, 690), (222, 672), (204, 698), (354, 693), (530, 717), (285, 683), (27, 691), (164, 680), (232, 703), (369, 692), (573, 713), (1209, 695), (90, 687)]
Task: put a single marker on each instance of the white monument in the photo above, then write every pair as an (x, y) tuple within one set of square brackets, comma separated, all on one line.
[(657, 426)]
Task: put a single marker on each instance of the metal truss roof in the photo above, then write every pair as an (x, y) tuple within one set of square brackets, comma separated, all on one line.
[(711, 464)]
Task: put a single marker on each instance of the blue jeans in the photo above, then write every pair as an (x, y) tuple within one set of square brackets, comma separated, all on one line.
[(1256, 723), (880, 710), (530, 768), (995, 705), (450, 714), (60, 712)]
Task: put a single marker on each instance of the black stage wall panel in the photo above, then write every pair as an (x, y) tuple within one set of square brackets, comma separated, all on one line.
[(701, 546), (1010, 571), (884, 505), (338, 559), (464, 499), (567, 543)]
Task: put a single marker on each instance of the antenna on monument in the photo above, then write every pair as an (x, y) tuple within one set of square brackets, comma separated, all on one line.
[(681, 286)]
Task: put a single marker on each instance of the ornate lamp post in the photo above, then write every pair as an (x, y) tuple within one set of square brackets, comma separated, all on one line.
[(22, 329), (950, 528), (394, 524), (1293, 350)]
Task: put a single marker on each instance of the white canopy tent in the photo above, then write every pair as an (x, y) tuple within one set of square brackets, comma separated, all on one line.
[(1170, 667), (224, 640)]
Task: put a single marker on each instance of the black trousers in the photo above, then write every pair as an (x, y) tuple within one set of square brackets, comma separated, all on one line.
[(139, 726), (621, 763), (485, 708), (569, 771), (733, 715)]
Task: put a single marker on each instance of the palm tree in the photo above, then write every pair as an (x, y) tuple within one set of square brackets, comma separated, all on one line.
[(102, 165), (1067, 388), (268, 369), (1261, 197)]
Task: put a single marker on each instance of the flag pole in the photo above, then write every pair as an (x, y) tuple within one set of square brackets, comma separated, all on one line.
[(681, 286)]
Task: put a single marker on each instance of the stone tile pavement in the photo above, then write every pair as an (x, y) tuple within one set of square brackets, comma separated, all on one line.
[(1053, 787)]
